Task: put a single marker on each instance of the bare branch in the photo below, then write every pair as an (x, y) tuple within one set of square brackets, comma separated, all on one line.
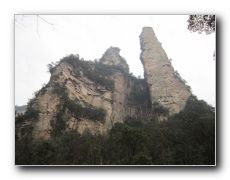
[(16, 21), (47, 22), (37, 27), (38, 17), (22, 17)]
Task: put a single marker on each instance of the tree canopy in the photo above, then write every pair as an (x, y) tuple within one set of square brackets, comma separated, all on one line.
[(202, 23), (187, 138)]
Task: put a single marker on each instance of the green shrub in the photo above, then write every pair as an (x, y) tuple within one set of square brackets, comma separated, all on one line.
[(159, 110), (29, 114), (95, 71), (58, 125), (89, 111), (183, 81)]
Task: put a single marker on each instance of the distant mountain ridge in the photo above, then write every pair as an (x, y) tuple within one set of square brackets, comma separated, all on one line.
[(18, 108)]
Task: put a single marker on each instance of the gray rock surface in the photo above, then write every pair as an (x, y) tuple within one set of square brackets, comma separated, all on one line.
[(165, 87)]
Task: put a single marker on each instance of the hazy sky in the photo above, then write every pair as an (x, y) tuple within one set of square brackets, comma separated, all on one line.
[(37, 44)]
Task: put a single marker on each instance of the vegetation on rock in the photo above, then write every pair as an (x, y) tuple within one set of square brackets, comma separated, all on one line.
[(159, 110), (183, 81), (30, 113), (97, 72), (187, 138), (75, 108)]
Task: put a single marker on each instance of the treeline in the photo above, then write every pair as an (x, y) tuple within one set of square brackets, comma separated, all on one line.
[(187, 138)]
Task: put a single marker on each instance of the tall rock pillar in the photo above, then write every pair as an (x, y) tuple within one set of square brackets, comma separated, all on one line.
[(165, 85)]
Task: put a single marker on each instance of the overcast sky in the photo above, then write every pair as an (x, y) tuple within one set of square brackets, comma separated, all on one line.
[(37, 44)]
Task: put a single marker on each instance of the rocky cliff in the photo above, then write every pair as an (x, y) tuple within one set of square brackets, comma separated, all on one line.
[(95, 95), (165, 85), (88, 95)]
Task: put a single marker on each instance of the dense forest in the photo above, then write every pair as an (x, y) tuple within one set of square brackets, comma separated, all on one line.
[(187, 138)]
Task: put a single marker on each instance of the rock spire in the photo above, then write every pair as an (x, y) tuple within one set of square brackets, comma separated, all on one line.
[(166, 87)]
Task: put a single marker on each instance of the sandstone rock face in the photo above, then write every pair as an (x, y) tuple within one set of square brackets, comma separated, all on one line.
[(87, 90), (81, 92), (112, 57), (165, 87), (77, 87)]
